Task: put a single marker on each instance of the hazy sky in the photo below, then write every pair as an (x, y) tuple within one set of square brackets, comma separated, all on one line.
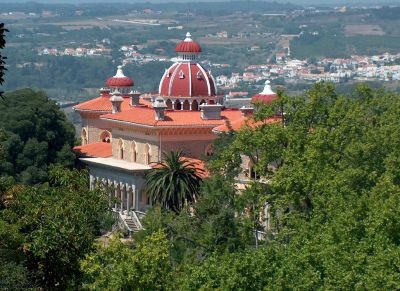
[(307, 2)]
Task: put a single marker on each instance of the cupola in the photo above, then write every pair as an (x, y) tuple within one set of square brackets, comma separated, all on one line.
[(188, 49), (266, 96), (120, 81)]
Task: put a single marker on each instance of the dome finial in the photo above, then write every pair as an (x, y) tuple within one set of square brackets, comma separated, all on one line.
[(267, 88), (120, 73), (188, 37)]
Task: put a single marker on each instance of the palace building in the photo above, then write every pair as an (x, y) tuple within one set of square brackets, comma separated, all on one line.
[(124, 133)]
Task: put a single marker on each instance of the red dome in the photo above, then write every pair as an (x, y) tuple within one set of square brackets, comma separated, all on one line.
[(266, 96), (119, 80), (187, 80), (188, 46)]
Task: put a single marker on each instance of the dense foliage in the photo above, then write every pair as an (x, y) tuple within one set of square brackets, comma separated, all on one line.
[(330, 174), (46, 230), (335, 196), (119, 267), (35, 135)]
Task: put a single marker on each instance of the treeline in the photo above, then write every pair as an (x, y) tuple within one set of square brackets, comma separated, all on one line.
[(325, 200), (72, 74), (105, 9), (329, 176), (308, 45)]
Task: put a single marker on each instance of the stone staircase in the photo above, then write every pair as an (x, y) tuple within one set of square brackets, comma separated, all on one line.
[(132, 225), (131, 222)]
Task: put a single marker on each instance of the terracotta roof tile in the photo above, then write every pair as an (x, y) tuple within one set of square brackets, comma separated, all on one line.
[(103, 104), (96, 150), (146, 116)]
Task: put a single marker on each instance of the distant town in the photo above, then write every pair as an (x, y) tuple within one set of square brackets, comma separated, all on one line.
[(384, 67), (292, 46)]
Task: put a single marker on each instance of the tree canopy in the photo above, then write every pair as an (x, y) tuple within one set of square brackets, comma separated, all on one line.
[(36, 134), (330, 174), (46, 230)]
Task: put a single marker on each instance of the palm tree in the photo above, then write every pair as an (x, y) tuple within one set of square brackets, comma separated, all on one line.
[(174, 182)]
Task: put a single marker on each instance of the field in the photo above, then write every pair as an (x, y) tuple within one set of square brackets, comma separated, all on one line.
[(363, 29)]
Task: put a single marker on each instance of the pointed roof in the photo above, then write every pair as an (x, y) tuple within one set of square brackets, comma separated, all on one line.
[(188, 45), (266, 96), (119, 79)]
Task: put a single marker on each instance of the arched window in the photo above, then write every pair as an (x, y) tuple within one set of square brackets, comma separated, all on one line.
[(178, 105), (202, 101), (105, 136), (147, 154), (84, 137), (186, 105), (195, 105), (251, 171), (169, 104), (209, 150), (120, 149), (134, 151)]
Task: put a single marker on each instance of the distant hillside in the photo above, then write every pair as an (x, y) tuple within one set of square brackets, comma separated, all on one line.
[(110, 8), (297, 2)]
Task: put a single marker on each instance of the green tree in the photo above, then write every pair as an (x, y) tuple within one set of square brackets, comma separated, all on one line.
[(120, 267), (53, 226), (174, 182), (37, 135), (334, 200)]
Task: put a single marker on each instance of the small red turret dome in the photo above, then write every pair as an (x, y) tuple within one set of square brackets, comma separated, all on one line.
[(266, 96), (119, 80), (188, 45)]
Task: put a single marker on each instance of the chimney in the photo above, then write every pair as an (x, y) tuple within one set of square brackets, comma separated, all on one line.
[(246, 111), (134, 98), (211, 111), (104, 92), (159, 107), (116, 101)]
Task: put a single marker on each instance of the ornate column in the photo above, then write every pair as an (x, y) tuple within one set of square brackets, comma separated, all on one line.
[(134, 197), (110, 192), (115, 185), (190, 105), (92, 182), (103, 183), (121, 196), (137, 194), (127, 194)]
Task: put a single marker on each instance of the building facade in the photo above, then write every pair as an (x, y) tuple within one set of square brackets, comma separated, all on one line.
[(124, 133)]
